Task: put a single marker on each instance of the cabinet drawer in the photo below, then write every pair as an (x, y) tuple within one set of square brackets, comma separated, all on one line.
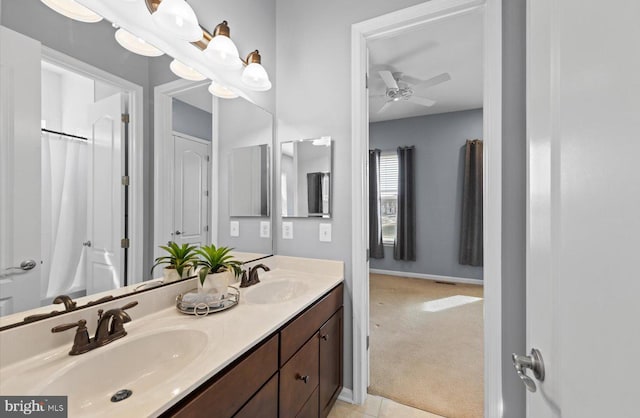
[(310, 409), (224, 397), (297, 332), (299, 378), (264, 404)]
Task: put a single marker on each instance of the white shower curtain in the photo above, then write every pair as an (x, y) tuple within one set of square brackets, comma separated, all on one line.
[(64, 214)]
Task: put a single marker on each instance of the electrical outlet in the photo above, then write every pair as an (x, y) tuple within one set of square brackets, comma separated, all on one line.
[(234, 228), (287, 230), (325, 232), (265, 229)]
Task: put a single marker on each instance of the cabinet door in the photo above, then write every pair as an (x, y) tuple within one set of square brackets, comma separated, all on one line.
[(299, 378), (330, 362)]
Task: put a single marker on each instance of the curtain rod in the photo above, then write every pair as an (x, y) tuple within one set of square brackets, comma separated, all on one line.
[(64, 134)]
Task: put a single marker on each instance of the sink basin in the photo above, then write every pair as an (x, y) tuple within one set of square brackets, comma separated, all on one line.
[(140, 365), (275, 291)]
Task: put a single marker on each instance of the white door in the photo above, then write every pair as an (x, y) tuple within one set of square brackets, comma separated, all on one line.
[(191, 176), (583, 280), (105, 266), (20, 144)]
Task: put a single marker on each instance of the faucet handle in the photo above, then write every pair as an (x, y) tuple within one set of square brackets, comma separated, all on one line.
[(130, 305), (80, 324)]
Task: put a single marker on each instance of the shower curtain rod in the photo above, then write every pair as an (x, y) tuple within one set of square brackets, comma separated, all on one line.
[(64, 134)]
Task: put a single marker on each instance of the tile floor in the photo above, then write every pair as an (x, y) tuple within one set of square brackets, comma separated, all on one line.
[(377, 407)]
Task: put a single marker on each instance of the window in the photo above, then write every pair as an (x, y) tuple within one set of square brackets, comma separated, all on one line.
[(388, 195)]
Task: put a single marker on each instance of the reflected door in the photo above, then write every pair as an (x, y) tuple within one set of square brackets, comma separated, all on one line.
[(20, 146), (105, 255), (191, 203)]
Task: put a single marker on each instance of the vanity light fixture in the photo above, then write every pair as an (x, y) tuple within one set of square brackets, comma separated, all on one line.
[(184, 71), (221, 48), (221, 91), (136, 45), (254, 75), (177, 18), (73, 10)]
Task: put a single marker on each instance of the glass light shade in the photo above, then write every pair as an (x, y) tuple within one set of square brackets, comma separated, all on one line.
[(178, 19), (184, 71), (256, 78), (224, 52), (221, 91), (73, 10), (136, 45)]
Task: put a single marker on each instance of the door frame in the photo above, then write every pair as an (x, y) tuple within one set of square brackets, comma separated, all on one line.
[(163, 157), (385, 26), (135, 267)]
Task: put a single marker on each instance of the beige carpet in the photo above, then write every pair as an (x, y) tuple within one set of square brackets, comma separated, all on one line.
[(429, 360)]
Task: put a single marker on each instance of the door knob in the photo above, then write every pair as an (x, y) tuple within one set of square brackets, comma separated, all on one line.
[(534, 362), (178, 233), (87, 243), (26, 265)]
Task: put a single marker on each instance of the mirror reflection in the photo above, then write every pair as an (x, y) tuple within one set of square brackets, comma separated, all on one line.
[(249, 181), (305, 177), (79, 165)]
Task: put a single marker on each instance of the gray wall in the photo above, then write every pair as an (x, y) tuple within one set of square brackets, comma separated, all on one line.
[(192, 121), (307, 107), (439, 163)]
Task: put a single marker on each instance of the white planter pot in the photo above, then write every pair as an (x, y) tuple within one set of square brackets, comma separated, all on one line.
[(170, 275), (216, 283)]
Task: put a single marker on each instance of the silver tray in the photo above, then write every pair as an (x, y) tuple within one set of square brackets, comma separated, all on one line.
[(203, 309)]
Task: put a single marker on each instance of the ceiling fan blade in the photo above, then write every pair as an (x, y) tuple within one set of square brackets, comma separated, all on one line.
[(385, 106), (433, 81), (388, 79), (423, 101)]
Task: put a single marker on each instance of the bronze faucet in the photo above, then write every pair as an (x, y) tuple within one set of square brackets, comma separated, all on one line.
[(110, 328), (69, 304), (251, 277)]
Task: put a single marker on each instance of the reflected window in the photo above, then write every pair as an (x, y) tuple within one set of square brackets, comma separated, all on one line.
[(389, 195)]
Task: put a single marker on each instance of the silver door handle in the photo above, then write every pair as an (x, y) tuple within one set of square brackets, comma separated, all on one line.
[(26, 265), (534, 362), (87, 243), (178, 233)]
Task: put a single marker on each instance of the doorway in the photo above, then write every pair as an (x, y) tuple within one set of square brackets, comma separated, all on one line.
[(388, 26)]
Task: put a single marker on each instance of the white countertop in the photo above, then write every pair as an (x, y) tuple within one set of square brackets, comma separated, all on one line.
[(25, 370)]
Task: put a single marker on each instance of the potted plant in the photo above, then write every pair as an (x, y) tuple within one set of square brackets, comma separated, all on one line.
[(217, 268), (179, 262)]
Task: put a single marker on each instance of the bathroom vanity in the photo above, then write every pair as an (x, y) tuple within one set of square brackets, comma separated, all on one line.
[(277, 354)]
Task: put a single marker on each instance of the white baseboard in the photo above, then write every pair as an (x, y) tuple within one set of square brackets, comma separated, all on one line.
[(346, 395), (428, 276)]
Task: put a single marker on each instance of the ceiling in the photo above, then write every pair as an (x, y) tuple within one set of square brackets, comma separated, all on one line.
[(198, 97), (452, 45)]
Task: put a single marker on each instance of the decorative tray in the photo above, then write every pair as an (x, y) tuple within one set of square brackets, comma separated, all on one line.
[(206, 304)]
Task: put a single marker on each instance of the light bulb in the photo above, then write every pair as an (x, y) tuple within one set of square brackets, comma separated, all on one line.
[(73, 10), (184, 71), (178, 19), (221, 91), (224, 52), (136, 45), (256, 78)]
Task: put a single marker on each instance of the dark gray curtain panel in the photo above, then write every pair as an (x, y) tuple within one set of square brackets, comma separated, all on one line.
[(314, 193), (471, 249), (404, 247), (376, 249)]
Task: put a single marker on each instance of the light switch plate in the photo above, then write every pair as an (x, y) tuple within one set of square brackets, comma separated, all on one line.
[(325, 232), (287, 230), (265, 229), (234, 228)]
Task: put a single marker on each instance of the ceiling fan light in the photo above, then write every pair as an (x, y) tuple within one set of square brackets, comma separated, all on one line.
[(223, 52), (184, 71), (221, 91), (73, 10), (136, 45), (178, 19), (256, 78)]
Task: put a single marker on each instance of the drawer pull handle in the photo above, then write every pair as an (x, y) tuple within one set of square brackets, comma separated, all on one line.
[(325, 337), (305, 379)]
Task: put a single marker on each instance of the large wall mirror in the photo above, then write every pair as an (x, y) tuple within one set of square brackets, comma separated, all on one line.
[(80, 183), (305, 178)]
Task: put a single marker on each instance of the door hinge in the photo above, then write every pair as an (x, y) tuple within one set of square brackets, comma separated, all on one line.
[(368, 254), (125, 118), (206, 193), (367, 342), (206, 228), (124, 243), (366, 80), (125, 180), (208, 158)]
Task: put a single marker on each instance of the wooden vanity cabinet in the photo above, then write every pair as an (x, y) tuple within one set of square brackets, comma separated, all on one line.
[(295, 373)]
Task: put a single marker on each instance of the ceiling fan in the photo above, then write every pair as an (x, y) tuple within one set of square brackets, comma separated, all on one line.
[(401, 87)]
